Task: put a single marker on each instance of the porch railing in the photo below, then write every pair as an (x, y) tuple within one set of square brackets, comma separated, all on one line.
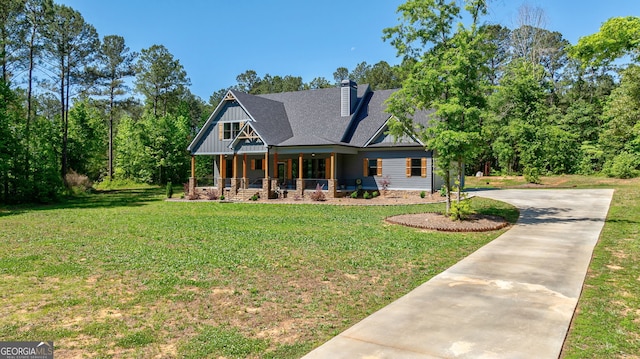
[(312, 183), (206, 181)]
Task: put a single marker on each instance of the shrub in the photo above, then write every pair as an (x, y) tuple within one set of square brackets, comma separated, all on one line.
[(443, 191), (78, 183), (623, 165), (460, 210), (255, 197), (366, 195), (318, 195), (423, 194), (222, 197), (211, 195), (375, 194), (169, 189), (531, 175), (385, 183), (354, 194)]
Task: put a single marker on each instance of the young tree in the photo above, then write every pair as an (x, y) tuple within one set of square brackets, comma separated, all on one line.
[(87, 145), (114, 65), (160, 78), (447, 78), (70, 46)]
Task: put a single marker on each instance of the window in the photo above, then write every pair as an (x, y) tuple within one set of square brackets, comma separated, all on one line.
[(314, 168), (230, 130), (372, 167), (257, 165), (416, 167)]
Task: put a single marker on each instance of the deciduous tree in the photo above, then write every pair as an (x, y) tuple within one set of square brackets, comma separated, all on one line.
[(447, 78)]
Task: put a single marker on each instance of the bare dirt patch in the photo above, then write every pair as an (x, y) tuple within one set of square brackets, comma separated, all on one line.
[(439, 222)]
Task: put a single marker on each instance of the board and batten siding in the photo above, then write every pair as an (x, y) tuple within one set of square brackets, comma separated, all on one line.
[(394, 166), (211, 143)]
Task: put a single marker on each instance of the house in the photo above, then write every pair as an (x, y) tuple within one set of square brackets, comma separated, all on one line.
[(335, 137)]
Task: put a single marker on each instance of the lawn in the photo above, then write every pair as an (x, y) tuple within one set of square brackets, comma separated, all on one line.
[(607, 320), (125, 274)]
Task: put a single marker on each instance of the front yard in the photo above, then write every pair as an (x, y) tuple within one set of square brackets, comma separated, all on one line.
[(125, 274)]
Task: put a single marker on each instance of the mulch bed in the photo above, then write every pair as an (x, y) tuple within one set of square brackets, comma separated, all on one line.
[(439, 222)]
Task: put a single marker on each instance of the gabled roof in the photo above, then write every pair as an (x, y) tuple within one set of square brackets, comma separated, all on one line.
[(269, 117), (313, 118), (314, 115)]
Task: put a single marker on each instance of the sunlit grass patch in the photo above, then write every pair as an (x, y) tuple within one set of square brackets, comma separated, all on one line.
[(126, 274)]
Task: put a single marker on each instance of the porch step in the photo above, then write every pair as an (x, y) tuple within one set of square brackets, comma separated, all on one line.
[(245, 194)]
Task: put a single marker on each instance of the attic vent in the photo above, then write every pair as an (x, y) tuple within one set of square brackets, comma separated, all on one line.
[(348, 97)]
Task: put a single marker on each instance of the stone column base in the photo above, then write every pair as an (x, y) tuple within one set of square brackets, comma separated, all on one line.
[(192, 186), (266, 188), (331, 190), (300, 187)]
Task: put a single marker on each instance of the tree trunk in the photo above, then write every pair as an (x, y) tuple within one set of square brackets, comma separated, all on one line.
[(63, 156), (110, 164), (29, 106)]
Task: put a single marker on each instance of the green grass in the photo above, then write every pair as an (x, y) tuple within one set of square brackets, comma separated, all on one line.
[(608, 321), (124, 274)]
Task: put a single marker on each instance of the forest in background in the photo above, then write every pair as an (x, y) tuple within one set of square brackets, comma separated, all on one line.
[(77, 108)]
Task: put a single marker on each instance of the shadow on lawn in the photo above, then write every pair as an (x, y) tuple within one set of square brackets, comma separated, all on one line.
[(98, 199)]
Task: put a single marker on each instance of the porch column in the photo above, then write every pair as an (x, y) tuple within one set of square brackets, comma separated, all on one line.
[(193, 166), (275, 165), (266, 182), (234, 179), (222, 169), (244, 171), (300, 181), (192, 179), (331, 183), (266, 161)]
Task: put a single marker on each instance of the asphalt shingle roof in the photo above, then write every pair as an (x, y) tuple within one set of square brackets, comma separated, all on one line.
[(312, 117)]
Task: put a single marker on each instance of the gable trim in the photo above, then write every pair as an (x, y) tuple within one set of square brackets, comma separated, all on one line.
[(247, 132), (228, 97), (386, 126)]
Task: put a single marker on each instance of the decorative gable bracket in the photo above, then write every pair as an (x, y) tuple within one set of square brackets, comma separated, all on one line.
[(247, 132)]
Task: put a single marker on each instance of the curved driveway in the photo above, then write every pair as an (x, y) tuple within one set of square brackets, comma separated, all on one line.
[(512, 298)]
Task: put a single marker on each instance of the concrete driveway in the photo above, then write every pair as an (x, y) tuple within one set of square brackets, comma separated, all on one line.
[(513, 298)]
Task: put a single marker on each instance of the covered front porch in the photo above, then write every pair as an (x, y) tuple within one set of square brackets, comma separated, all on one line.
[(272, 174)]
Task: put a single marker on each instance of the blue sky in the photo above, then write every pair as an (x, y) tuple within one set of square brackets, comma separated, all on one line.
[(217, 40)]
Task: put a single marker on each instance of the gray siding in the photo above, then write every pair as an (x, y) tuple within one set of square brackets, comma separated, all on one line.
[(388, 139), (210, 142), (250, 146), (393, 167)]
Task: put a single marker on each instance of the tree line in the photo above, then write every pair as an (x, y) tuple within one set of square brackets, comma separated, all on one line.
[(518, 101), (75, 106)]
